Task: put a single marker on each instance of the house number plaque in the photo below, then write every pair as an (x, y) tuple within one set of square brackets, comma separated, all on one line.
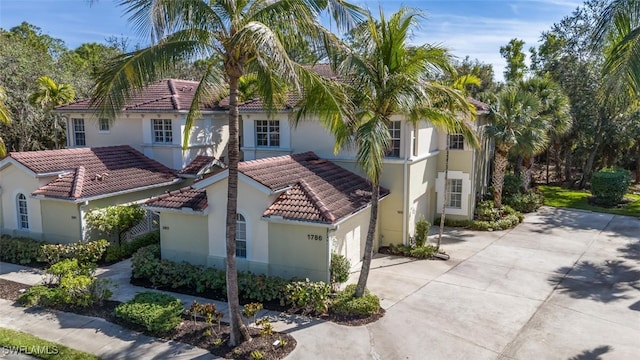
[(314, 237)]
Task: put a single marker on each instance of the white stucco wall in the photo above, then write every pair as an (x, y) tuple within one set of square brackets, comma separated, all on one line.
[(465, 211), (14, 181), (350, 237)]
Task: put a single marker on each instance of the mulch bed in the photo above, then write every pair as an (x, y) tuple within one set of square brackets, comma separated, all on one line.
[(189, 332), (353, 320)]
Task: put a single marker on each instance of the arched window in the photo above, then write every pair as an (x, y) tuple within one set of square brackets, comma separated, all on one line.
[(241, 237), (23, 214)]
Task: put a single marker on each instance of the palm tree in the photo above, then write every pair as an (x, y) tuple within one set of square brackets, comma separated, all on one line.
[(5, 118), (386, 77), (246, 37), (514, 111), (50, 95), (618, 29), (554, 121)]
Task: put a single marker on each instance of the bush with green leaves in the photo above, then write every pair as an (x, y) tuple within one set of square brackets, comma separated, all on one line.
[(158, 313), (527, 202), (85, 252), (307, 297), (454, 222), (20, 250), (422, 232), (512, 185), (489, 218), (339, 270), (115, 220), (260, 287), (420, 252), (347, 304), (609, 186), (117, 252)]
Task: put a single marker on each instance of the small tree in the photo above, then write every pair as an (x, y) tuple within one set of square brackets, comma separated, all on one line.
[(339, 269), (115, 220)]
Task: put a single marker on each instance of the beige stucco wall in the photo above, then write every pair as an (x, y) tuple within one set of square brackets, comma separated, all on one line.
[(61, 221), (184, 237), (14, 181), (251, 204), (125, 130), (298, 251), (420, 200), (349, 237), (461, 160)]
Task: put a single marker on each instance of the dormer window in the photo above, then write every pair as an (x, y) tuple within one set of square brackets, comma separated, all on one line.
[(456, 142), (268, 133), (394, 141), (162, 131)]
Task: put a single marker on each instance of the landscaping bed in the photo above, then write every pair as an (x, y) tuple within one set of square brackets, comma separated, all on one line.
[(10, 290)]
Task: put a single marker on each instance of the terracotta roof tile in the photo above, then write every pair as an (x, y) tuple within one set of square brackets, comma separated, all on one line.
[(320, 190), (89, 172), (163, 95), (202, 164), (183, 198)]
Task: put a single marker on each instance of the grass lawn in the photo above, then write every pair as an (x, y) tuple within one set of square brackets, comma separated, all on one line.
[(579, 199), (17, 341)]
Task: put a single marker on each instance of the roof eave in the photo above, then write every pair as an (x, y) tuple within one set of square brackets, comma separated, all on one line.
[(108, 195)]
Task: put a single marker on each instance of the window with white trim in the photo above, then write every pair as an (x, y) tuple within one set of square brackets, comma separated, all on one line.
[(162, 131), (456, 142), (394, 141), (79, 135), (103, 124), (241, 236), (454, 193), (268, 133), (23, 212)]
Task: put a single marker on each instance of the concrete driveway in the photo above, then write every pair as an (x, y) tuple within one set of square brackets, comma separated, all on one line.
[(565, 284)]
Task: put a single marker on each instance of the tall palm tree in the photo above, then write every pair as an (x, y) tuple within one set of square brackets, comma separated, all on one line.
[(514, 111), (387, 77), (553, 121), (50, 95), (246, 37), (618, 32), (5, 118)]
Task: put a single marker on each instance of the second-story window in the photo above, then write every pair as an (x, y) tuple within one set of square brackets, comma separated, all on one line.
[(394, 143), (456, 142), (79, 135), (268, 133), (103, 124), (162, 132)]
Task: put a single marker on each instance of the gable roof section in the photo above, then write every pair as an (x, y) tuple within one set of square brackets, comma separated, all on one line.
[(187, 197), (94, 172), (315, 189), (202, 165), (164, 95)]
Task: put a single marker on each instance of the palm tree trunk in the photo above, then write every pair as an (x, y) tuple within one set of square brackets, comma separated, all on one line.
[(588, 167), (568, 164), (638, 165), (368, 247), (499, 167), (239, 332), (445, 198), (526, 176)]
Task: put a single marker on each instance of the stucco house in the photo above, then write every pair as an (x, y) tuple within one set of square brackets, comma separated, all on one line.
[(152, 122), (293, 211), (45, 194)]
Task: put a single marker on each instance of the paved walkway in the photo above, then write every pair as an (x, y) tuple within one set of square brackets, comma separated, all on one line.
[(563, 285)]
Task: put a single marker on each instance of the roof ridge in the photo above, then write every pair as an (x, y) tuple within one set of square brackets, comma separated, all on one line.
[(174, 94), (317, 202), (78, 182)]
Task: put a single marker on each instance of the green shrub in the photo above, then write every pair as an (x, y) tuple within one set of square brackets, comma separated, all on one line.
[(158, 313), (20, 250), (422, 232), (609, 186), (422, 252), (39, 295), (145, 261), (307, 297), (339, 269), (347, 304), (512, 185), (491, 218), (526, 203), (211, 278), (86, 252), (260, 287), (127, 249), (454, 223)]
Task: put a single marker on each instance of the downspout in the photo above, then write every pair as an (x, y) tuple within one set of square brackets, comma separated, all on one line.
[(474, 174), (82, 222), (405, 190), (328, 258)]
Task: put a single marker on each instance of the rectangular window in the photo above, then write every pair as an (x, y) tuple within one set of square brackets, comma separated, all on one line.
[(394, 143), (103, 124), (162, 131), (456, 142), (79, 135), (241, 237), (23, 214), (268, 133), (455, 193)]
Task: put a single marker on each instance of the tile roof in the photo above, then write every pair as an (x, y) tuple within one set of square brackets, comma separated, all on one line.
[(320, 190), (90, 172), (163, 95), (480, 106), (178, 199), (202, 164)]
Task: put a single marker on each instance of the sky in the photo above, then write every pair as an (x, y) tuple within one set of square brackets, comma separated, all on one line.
[(476, 28)]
